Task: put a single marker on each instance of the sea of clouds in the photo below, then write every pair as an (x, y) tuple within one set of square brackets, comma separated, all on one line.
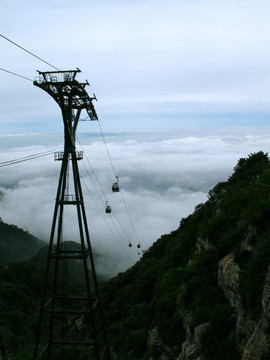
[(162, 176)]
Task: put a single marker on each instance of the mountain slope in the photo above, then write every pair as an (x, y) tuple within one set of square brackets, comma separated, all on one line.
[(202, 292), (17, 244)]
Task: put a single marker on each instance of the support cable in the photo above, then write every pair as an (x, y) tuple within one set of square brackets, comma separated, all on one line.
[(114, 214), (108, 224), (107, 148), (130, 218), (29, 52), (26, 158), (91, 170), (116, 176), (10, 72)]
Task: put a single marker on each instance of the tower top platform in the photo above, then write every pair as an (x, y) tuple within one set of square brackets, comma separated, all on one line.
[(66, 90)]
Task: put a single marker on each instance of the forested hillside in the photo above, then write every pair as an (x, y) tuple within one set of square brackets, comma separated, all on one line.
[(200, 292), (17, 244)]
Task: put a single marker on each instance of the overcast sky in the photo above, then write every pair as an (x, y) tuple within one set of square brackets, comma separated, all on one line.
[(183, 91), (150, 63)]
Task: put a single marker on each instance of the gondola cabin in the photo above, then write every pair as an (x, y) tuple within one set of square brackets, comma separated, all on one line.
[(129, 244), (115, 186), (108, 208)]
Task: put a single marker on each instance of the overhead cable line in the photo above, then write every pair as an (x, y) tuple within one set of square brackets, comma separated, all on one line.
[(92, 170), (107, 149), (117, 178), (10, 72), (105, 219), (114, 214), (29, 52), (26, 158), (130, 218)]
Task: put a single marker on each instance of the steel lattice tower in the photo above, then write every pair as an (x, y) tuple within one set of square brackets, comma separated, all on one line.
[(68, 321)]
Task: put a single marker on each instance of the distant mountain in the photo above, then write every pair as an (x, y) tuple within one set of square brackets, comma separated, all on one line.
[(17, 244), (76, 269), (40, 258)]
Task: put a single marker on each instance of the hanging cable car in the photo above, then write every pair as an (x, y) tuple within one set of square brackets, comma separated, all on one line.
[(138, 245), (129, 244), (115, 186), (108, 208)]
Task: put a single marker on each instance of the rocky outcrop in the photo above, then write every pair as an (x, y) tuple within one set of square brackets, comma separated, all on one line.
[(253, 338), (191, 347), (258, 345), (154, 340), (228, 281), (203, 244)]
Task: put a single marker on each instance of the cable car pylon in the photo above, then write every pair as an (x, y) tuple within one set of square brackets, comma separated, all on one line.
[(61, 306)]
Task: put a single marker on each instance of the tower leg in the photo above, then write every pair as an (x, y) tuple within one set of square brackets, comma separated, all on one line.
[(53, 304)]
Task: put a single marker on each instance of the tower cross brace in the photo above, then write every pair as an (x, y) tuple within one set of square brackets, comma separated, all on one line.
[(68, 321)]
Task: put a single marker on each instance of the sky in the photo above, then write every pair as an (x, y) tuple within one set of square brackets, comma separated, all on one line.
[(183, 91)]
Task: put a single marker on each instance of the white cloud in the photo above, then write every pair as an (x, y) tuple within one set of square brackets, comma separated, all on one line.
[(163, 176)]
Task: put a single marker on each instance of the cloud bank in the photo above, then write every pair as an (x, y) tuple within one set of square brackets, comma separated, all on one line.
[(163, 176)]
